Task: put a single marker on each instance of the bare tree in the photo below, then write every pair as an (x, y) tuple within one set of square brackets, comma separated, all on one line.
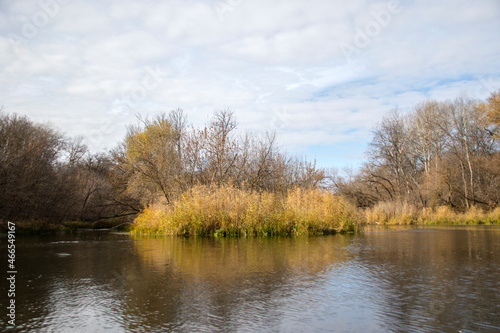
[(222, 148), (438, 153)]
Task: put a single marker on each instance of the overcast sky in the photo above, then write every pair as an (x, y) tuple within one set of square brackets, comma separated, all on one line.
[(321, 73)]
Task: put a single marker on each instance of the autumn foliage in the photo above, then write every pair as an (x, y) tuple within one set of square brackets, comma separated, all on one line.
[(227, 210), (438, 162)]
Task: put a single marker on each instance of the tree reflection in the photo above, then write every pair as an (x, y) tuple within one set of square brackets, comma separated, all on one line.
[(235, 277), (441, 277)]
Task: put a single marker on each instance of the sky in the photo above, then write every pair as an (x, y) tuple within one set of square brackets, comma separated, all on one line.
[(320, 73)]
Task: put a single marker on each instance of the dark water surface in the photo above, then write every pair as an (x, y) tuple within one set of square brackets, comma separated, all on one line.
[(419, 279)]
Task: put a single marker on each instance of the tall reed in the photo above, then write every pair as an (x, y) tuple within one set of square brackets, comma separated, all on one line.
[(227, 210), (404, 213)]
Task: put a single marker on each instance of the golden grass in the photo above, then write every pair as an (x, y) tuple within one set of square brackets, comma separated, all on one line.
[(392, 213), (404, 213), (227, 210)]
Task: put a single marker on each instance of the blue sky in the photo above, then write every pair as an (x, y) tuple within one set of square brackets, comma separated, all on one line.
[(320, 73)]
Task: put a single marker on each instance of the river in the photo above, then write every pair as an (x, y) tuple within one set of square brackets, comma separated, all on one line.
[(399, 279)]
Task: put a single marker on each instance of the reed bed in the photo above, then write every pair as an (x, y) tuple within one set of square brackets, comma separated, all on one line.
[(404, 213), (230, 211)]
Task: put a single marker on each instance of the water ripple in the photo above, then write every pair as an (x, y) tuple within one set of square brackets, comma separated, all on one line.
[(377, 282)]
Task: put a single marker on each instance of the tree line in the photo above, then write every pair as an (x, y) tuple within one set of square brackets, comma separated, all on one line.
[(47, 176), (438, 153)]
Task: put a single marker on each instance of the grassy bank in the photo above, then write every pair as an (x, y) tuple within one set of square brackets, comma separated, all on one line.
[(403, 213), (227, 210)]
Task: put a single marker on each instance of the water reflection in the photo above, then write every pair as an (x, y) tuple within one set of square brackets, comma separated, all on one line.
[(223, 260), (439, 277), (243, 279), (388, 279)]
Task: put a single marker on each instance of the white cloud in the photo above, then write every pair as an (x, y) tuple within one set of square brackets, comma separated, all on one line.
[(279, 65)]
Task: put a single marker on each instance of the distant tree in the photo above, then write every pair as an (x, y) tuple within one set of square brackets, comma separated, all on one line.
[(30, 155), (494, 114), (152, 154), (222, 147), (491, 109), (467, 140), (438, 153), (394, 157)]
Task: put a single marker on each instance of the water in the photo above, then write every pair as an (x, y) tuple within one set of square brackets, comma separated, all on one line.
[(397, 279)]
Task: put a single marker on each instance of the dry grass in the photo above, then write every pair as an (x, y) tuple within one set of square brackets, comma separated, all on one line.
[(392, 213), (227, 210), (404, 213)]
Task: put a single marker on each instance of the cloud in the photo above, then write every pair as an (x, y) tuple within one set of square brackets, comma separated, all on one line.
[(321, 74)]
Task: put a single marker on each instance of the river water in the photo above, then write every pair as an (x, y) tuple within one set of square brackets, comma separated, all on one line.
[(400, 279)]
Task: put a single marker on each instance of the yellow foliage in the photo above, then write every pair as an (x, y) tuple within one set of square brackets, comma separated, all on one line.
[(492, 110), (150, 141), (393, 213), (227, 210)]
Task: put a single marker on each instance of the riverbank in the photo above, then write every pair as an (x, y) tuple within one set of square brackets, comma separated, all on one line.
[(402, 214), (228, 211), (37, 227)]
